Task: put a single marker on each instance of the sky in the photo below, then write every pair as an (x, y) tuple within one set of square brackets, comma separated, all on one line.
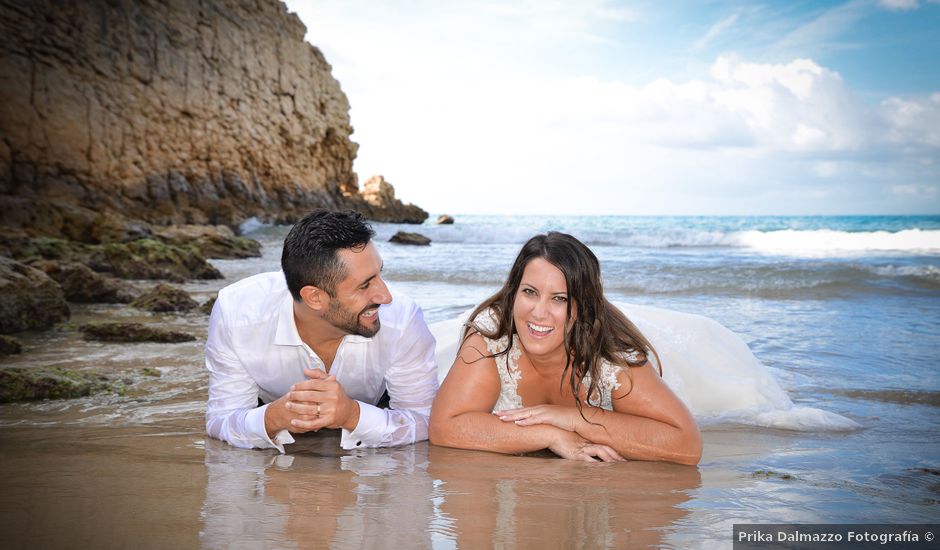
[(642, 108)]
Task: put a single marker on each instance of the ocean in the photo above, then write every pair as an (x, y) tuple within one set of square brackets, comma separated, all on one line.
[(844, 313)]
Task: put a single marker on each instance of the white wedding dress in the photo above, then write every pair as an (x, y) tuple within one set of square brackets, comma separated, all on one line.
[(708, 366)]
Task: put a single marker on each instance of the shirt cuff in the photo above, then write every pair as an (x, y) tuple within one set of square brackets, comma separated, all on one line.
[(254, 421), (370, 431)]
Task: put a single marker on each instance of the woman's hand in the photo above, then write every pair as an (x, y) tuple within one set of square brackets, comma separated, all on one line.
[(574, 447), (559, 416)]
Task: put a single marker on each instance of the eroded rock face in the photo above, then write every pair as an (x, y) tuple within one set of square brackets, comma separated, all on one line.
[(29, 299), (170, 112)]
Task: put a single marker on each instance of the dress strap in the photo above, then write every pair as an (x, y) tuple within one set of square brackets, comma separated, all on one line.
[(507, 364)]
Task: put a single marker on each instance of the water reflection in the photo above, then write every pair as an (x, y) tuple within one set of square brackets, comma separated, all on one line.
[(522, 502), (317, 497), (420, 496)]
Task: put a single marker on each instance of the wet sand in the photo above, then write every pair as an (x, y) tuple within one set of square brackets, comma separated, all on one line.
[(93, 482), (154, 487), (139, 471)]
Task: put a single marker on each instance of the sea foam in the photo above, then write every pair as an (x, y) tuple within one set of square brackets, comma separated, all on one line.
[(827, 240), (618, 233)]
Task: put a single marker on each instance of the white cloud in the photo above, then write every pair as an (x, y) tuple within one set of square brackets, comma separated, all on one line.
[(898, 5), (748, 122), (794, 107), (915, 190), (913, 123), (827, 169), (484, 117)]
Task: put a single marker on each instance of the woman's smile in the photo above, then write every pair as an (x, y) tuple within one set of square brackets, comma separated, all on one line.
[(539, 331)]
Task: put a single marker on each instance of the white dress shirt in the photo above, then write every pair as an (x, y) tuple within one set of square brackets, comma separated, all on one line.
[(254, 350)]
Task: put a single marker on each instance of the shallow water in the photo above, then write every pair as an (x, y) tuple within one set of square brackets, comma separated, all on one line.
[(138, 470), (168, 488)]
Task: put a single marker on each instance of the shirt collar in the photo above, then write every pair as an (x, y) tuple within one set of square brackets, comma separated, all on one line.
[(287, 334)]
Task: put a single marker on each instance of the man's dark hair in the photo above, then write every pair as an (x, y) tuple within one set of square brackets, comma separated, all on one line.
[(309, 256)]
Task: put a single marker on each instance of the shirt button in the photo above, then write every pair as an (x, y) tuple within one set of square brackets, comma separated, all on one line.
[(358, 443)]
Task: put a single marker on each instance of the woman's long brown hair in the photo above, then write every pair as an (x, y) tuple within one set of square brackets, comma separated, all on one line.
[(599, 331)]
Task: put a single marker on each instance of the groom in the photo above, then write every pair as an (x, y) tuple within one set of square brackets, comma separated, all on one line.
[(319, 343)]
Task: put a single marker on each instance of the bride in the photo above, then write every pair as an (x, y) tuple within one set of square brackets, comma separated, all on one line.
[(548, 363)]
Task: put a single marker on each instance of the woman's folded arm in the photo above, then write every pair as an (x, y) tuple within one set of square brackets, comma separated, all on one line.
[(648, 421)]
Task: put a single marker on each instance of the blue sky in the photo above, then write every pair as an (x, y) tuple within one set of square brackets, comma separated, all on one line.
[(583, 107)]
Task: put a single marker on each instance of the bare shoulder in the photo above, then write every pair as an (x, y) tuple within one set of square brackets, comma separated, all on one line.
[(472, 382), (473, 350)]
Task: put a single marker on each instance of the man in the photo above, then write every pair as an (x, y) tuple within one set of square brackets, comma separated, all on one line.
[(320, 343)]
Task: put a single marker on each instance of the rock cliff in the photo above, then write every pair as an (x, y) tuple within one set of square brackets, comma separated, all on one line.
[(170, 112)]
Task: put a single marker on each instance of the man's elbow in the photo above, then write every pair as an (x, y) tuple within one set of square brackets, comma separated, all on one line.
[(214, 427)]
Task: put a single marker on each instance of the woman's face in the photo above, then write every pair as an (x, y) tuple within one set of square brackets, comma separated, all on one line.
[(540, 308)]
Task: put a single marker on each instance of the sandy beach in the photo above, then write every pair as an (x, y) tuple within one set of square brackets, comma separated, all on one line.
[(138, 470), (166, 485)]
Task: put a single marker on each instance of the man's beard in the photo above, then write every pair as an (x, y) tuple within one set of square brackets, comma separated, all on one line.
[(347, 321)]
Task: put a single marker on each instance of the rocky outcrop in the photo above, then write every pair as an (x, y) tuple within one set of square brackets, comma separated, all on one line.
[(132, 332), (29, 299), (10, 345), (208, 305), (81, 284), (212, 241), (27, 384), (381, 204), (445, 219), (116, 114), (165, 298), (109, 227), (407, 237), (141, 259)]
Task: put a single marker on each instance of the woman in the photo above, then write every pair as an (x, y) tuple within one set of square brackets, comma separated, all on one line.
[(548, 363)]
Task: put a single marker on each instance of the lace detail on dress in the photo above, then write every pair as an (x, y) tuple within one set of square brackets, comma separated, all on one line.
[(606, 386), (507, 364), (509, 376)]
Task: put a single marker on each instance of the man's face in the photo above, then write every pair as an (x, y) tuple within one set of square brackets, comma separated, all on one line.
[(354, 308)]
